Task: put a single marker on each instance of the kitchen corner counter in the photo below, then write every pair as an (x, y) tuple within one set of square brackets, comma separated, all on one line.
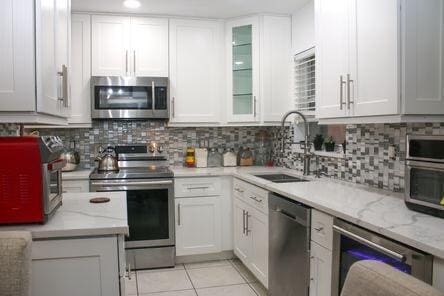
[(77, 175), (77, 217), (381, 211)]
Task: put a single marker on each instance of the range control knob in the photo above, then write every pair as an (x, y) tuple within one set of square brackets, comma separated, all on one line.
[(160, 149), (152, 147)]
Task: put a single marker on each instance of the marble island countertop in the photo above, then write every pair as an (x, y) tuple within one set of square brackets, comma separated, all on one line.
[(381, 211), (77, 217)]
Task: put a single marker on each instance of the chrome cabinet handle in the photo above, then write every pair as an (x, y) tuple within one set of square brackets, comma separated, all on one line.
[(174, 109), (153, 92), (341, 92), (129, 271), (63, 95), (239, 190), (349, 81), (126, 62), (247, 216), (178, 214), (198, 187), (243, 221), (254, 102), (318, 229), (256, 199), (134, 62), (370, 244)]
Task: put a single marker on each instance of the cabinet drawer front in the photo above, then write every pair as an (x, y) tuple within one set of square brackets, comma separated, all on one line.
[(322, 229), (251, 194), (75, 186), (193, 187)]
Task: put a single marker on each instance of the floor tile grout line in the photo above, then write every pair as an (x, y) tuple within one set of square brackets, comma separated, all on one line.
[(189, 278)]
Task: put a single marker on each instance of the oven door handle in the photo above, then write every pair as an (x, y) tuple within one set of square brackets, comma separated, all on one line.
[(132, 183), (370, 244)]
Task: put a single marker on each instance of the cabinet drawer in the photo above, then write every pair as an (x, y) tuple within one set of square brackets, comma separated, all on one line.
[(251, 194), (322, 229), (75, 186), (193, 187)]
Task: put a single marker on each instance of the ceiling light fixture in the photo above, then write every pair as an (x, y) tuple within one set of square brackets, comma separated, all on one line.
[(131, 4)]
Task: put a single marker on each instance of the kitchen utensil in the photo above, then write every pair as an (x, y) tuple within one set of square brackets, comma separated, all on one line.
[(72, 158), (108, 160)]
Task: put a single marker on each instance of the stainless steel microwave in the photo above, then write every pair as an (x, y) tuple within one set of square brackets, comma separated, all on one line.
[(424, 173), (116, 97)]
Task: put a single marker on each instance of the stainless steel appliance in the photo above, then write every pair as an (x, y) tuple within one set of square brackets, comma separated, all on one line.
[(108, 160), (289, 247), (72, 158), (352, 243), (129, 97), (30, 178), (148, 182), (424, 172)]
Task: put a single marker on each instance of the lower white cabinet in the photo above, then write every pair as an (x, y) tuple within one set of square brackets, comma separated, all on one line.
[(72, 267), (198, 225), (75, 186), (438, 273), (251, 239), (320, 270)]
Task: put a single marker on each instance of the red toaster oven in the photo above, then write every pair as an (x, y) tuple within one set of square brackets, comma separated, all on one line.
[(30, 178)]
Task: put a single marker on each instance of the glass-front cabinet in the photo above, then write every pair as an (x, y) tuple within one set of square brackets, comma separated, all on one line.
[(243, 80)]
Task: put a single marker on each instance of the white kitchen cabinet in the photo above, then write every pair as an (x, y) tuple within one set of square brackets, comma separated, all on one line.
[(243, 76), (129, 46), (34, 85), (250, 228), (198, 225), (303, 28), (196, 71), (80, 70), (320, 270), (275, 66), (390, 68), (110, 45), (438, 273), (71, 267), (149, 45)]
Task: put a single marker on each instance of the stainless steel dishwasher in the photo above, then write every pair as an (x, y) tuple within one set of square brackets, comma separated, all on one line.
[(289, 247)]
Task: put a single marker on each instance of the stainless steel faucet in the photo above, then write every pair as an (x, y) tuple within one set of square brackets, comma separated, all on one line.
[(307, 136)]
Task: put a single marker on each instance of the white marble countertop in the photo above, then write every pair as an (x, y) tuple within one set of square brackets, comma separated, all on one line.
[(378, 210), (77, 217), (77, 175)]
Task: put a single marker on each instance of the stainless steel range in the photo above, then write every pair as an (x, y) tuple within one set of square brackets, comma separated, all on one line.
[(144, 175)]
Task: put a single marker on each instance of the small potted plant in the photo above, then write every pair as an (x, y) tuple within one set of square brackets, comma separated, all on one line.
[(329, 145), (318, 141)]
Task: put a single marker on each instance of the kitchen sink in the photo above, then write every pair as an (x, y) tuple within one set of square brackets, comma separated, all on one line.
[(281, 178)]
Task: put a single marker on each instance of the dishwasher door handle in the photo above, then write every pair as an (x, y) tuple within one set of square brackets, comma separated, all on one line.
[(291, 217)]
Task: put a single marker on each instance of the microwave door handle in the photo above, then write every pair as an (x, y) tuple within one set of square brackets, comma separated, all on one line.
[(153, 93), (370, 244)]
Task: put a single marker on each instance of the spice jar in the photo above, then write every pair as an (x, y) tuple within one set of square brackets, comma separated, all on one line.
[(190, 158)]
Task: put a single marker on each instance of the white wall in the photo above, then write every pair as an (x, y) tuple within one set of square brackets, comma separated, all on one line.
[(303, 28)]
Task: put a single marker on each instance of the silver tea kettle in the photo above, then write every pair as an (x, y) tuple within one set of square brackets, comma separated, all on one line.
[(72, 157), (108, 160)]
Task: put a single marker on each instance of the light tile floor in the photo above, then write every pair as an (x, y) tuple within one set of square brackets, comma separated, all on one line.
[(213, 278)]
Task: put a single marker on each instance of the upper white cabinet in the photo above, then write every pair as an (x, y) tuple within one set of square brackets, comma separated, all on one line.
[(34, 54), (389, 67), (80, 70), (129, 46), (259, 68), (196, 71), (303, 28)]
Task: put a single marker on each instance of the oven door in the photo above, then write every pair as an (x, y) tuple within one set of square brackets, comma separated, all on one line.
[(425, 184), (129, 97), (352, 243), (150, 206)]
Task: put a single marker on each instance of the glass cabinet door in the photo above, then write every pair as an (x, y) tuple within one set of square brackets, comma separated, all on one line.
[(243, 72)]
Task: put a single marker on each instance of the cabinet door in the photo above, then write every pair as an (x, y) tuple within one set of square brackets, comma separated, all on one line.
[(243, 70), (332, 34), (320, 270), (257, 228), (242, 242), (93, 263), (80, 69), (110, 45), (149, 47), (374, 58), (423, 52), (196, 63), (198, 225), (275, 67), (17, 71)]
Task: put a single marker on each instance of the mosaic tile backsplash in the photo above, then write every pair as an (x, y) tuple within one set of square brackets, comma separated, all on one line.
[(366, 160)]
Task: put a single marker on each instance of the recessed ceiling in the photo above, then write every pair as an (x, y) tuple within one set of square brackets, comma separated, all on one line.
[(197, 8)]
